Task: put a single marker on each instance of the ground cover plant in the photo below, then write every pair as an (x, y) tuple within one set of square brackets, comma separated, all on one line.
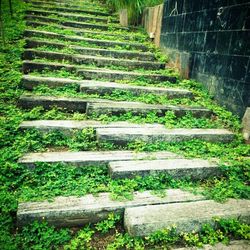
[(47, 181)]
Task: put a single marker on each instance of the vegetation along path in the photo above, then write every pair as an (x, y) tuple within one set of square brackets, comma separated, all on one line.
[(103, 146)]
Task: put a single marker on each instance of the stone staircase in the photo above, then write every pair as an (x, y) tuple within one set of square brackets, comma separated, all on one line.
[(92, 62)]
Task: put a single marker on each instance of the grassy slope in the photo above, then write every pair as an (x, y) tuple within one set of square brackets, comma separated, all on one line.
[(18, 183)]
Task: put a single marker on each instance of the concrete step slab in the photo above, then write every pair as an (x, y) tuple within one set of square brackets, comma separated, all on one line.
[(90, 158), (102, 43), (114, 75), (137, 108), (93, 73), (73, 211), (232, 245), (122, 136), (88, 7), (84, 32), (195, 169), (187, 216), (47, 102), (68, 8), (99, 61), (140, 56), (73, 16), (74, 24), (67, 126), (102, 88), (105, 88)]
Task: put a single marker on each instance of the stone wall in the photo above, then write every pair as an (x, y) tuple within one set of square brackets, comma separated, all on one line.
[(209, 40)]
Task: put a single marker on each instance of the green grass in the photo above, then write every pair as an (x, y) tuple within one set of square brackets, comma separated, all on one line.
[(47, 181)]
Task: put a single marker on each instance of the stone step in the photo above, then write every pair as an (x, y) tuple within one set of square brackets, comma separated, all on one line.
[(118, 108), (195, 169), (102, 88), (68, 9), (140, 56), (74, 17), (74, 24), (76, 8), (90, 158), (186, 216), (232, 245), (88, 73), (87, 105), (47, 102), (122, 136), (67, 126), (83, 32), (30, 54), (105, 88), (102, 43), (78, 211), (114, 75)]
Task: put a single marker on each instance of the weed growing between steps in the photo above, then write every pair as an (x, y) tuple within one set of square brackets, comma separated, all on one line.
[(49, 181)]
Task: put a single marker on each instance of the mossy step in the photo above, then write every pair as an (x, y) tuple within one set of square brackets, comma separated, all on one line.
[(103, 43), (78, 211), (186, 216), (89, 73), (48, 102), (69, 9), (97, 87), (72, 16), (104, 106), (99, 61), (83, 32), (118, 108), (69, 126), (114, 75), (123, 136), (90, 158), (74, 24), (140, 56), (194, 169), (58, 4)]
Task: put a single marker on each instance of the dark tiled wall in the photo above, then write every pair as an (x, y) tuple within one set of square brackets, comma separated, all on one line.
[(215, 36)]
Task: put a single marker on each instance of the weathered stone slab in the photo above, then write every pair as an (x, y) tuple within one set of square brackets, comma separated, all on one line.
[(140, 56), (246, 126), (118, 108), (31, 66), (195, 169), (91, 158), (69, 104), (187, 217), (97, 87), (88, 73), (30, 54), (232, 245), (102, 88), (74, 24), (99, 42), (123, 136), (67, 126), (73, 211), (113, 75), (73, 16), (29, 81), (69, 9), (89, 9), (83, 32)]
